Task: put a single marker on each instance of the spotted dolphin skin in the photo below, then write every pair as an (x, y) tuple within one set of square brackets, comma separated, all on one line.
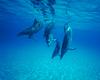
[(31, 30), (66, 40), (56, 50)]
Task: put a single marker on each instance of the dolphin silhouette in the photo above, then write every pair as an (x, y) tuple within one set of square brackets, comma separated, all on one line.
[(49, 38), (66, 40), (31, 30)]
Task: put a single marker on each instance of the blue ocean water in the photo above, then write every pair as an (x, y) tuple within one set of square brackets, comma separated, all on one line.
[(30, 59)]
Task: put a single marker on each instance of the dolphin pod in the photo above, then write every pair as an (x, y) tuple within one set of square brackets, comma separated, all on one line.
[(59, 49)]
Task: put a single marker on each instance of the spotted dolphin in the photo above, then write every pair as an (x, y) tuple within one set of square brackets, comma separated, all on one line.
[(31, 30), (48, 35), (66, 40)]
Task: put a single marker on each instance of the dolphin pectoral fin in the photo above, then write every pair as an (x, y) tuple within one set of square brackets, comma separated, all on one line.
[(72, 48)]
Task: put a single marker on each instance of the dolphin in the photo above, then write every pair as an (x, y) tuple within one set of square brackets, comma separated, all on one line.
[(56, 50), (31, 30), (66, 40), (48, 35)]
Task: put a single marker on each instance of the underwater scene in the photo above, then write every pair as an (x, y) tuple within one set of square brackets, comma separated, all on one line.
[(49, 39)]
